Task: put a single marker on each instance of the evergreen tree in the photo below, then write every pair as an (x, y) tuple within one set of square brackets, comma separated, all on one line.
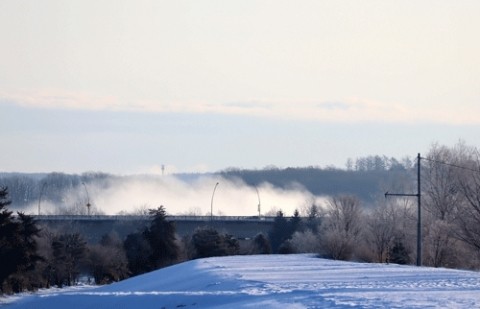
[(9, 250), (27, 256), (261, 245), (138, 251), (18, 248), (398, 254), (153, 248), (28, 230), (208, 242), (162, 239), (313, 218), (295, 222), (280, 231)]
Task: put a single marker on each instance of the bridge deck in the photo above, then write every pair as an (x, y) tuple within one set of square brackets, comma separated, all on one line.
[(94, 227)]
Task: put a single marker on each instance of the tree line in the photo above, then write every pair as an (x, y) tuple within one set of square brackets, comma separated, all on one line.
[(32, 189), (365, 184), (362, 177)]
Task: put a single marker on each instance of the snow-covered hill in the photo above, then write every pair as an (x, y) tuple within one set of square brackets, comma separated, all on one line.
[(273, 281)]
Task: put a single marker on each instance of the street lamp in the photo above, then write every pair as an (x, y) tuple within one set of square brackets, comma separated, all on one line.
[(211, 203), (259, 209), (40, 196), (88, 199)]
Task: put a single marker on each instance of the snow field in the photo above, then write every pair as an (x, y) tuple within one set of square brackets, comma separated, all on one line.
[(273, 281)]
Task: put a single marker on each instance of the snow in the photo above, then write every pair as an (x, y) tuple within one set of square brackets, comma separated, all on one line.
[(271, 281)]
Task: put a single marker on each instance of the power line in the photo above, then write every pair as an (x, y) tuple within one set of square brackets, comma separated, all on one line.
[(452, 165)]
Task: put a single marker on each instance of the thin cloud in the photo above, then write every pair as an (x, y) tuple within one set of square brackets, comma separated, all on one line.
[(54, 98), (333, 106), (341, 111)]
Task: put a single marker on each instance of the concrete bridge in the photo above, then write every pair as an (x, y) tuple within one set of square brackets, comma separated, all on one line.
[(94, 227)]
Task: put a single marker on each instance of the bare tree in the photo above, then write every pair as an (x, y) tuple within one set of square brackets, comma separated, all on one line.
[(380, 231), (469, 217), (442, 200), (440, 186), (439, 243), (451, 194), (342, 226)]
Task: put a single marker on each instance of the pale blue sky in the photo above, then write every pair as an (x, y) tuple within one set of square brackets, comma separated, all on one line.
[(126, 86)]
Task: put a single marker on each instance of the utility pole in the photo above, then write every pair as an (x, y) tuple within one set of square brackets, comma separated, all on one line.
[(419, 211), (419, 214)]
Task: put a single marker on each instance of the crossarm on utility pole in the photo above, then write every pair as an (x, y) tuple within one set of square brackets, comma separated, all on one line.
[(399, 194)]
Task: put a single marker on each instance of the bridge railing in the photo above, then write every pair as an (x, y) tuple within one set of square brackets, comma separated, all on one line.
[(146, 217)]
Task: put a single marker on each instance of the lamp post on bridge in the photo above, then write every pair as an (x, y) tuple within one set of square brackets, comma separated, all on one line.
[(258, 195), (211, 203), (40, 196), (88, 199)]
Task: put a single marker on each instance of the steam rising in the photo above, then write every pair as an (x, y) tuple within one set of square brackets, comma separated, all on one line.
[(133, 195)]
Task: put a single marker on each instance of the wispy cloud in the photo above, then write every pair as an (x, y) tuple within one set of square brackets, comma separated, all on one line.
[(56, 98), (333, 106), (344, 110)]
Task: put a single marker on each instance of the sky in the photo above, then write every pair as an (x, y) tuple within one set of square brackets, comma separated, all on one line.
[(127, 87)]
